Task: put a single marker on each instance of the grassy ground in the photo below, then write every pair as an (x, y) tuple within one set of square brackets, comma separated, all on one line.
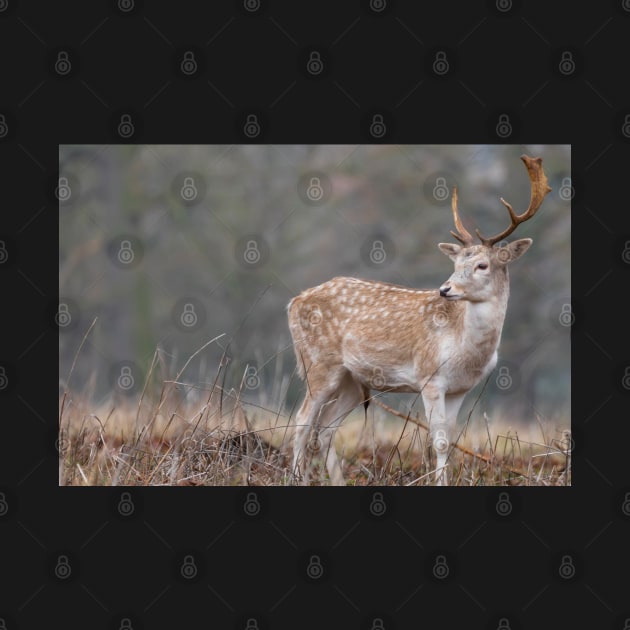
[(214, 437)]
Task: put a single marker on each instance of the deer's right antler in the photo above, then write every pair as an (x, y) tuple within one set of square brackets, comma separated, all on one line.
[(462, 234)]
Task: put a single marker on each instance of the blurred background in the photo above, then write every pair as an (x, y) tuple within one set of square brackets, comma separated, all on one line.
[(171, 248)]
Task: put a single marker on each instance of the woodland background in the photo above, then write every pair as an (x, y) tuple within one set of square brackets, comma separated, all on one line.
[(170, 247)]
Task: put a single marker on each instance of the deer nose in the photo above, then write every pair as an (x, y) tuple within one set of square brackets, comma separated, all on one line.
[(444, 289)]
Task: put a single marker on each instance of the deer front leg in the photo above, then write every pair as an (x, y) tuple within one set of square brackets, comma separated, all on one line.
[(435, 410)]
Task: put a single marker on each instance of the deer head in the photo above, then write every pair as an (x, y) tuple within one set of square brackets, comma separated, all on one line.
[(480, 270)]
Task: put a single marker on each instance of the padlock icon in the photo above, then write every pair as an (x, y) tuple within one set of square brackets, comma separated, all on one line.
[(504, 380), (125, 505), (314, 64), (504, 505), (252, 380), (125, 624), (188, 569), (126, 5), (251, 5), (567, 568), (126, 380), (189, 190), (125, 126), (625, 506), (378, 506), (440, 318), (566, 442), (252, 624), (315, 570), (315, 317), (503, 253), (625, 128), (440, 190), (251, 507), (63, 317), (378, 5), (440, 568), (188, 317), (377, 253), (63, 192), (566, 317), (567, 64), (4, 506), (378, 379), (4, 379), (378, 624), (504, 127), (63, 65), (252, 253), (504, 5), (62, 442), (314, 443), (566, 191), (4, 254), (440, 440), (4, 128), (189, 64), (504, 624), (315, 191), (440, 64), (625, 255), (377, 127), (252, 126), (62, 569), (626, 378), (126, 254)]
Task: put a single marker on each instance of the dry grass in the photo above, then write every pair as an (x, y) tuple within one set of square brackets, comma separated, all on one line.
[(184, 435), (223, 440)]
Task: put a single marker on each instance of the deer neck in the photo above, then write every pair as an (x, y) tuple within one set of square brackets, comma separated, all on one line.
[(483, 321)]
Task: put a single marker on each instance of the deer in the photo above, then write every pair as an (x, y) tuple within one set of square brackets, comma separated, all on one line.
[(352, 336)]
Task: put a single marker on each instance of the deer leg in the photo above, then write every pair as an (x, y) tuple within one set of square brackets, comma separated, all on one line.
[(452, 403), (348, 396), (302, 434), (435, 410), (308, 421)]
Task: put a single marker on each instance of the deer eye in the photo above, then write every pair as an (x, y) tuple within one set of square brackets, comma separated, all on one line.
[(482, 265)]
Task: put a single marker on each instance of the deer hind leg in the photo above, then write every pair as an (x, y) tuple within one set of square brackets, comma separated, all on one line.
[(302, 434), (349, 395), (320, 422), (308, 419)]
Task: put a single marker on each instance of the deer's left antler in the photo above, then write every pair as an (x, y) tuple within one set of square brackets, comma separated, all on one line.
[(540, 187)]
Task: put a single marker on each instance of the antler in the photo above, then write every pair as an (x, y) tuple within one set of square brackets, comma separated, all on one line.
[(540, 188), (462, 234)]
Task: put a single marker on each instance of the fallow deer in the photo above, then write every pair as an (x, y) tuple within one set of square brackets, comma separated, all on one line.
[(352, 336)]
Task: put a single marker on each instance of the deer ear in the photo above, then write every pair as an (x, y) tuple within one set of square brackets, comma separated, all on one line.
[(516, 249), (450, 249)]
